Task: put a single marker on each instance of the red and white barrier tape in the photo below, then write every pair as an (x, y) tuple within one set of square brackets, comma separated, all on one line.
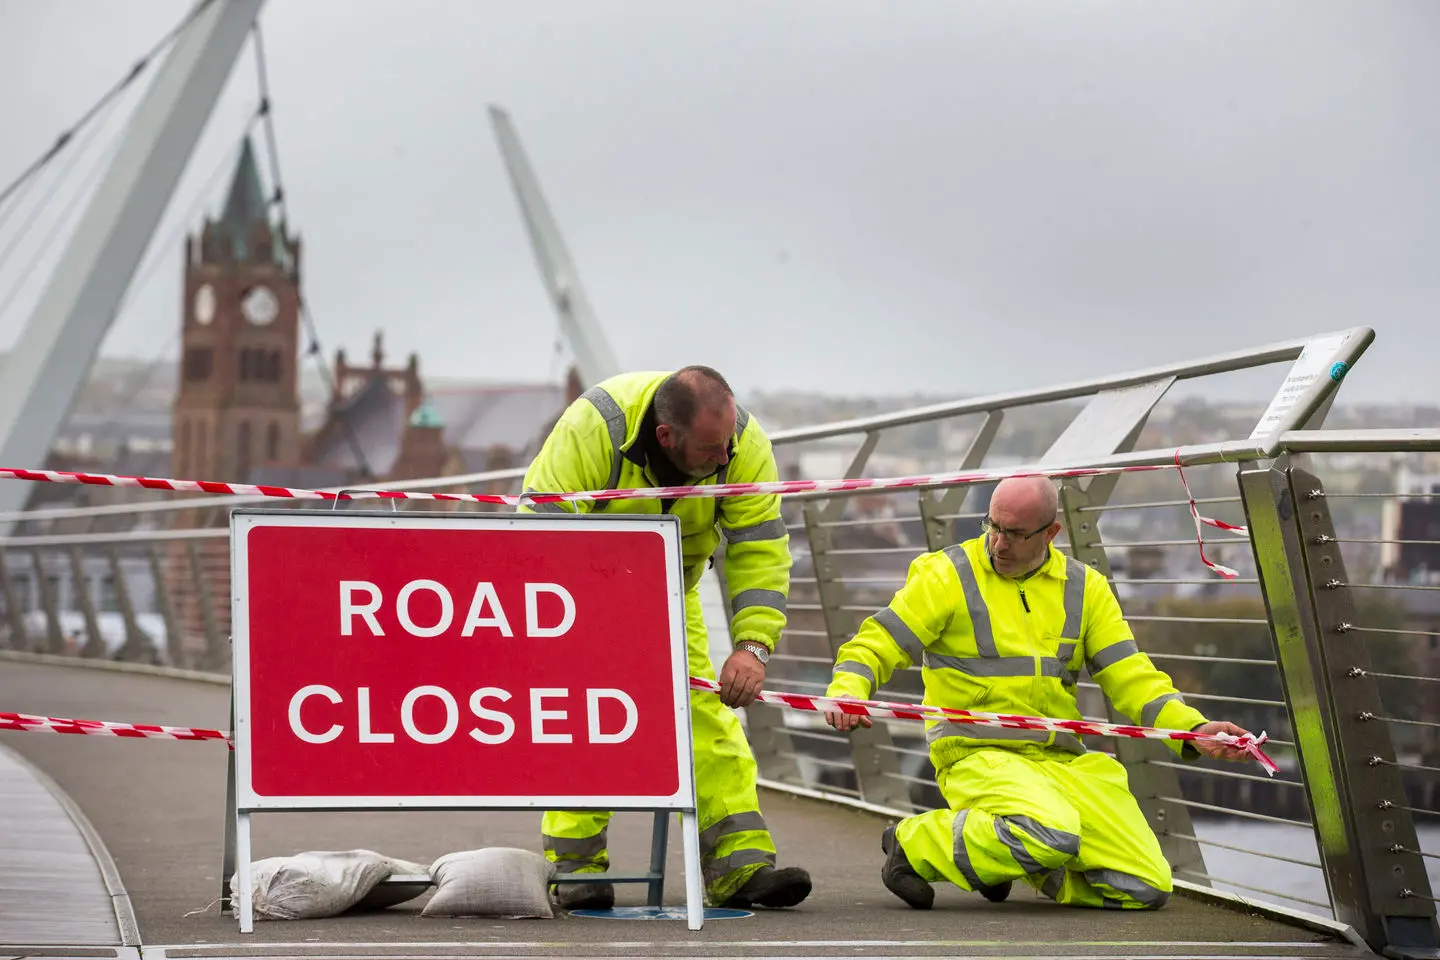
[(920, 711), (106, 728), (795, 701), (1228, 573), (777, 487)]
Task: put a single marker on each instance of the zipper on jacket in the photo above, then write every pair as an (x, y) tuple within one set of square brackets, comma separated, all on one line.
[(1023, 602)]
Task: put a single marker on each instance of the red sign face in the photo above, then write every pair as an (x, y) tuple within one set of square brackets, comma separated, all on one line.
[(427, 659)]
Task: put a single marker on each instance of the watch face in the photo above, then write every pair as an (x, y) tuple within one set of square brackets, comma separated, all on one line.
[(205, 304), (260, 306)]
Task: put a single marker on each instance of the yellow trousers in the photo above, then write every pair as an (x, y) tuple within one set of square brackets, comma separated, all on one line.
[(1066, 825), (734, 841)]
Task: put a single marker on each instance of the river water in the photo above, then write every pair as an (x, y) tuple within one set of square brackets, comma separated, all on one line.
[(1286, 880)]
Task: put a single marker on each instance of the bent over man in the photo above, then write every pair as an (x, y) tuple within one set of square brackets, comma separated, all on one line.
[(641, 430), (1002, 624)]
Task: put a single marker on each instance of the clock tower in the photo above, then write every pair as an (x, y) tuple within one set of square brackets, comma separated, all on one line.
[(238, 403)]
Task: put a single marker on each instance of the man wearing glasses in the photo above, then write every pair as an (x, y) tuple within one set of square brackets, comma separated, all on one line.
[(1002, 624)]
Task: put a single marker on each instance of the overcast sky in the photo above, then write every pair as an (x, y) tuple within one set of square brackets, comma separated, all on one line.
[(876, 197)]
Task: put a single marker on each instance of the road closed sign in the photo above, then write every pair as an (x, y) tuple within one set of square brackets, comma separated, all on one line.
[(449, 660)]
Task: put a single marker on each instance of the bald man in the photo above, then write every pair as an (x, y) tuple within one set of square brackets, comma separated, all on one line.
[(676, 429), (1002, 624)]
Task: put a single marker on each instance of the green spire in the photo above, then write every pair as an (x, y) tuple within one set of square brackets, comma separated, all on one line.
[(246, 204), (425, 415)]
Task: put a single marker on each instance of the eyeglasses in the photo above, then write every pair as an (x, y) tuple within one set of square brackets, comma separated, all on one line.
[(989, 526)]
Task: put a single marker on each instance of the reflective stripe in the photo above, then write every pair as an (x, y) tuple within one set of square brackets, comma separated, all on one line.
[(962, 855), (1131, 886), (1017, 847), (543, 507), (1061, 841), (735, 823), (601, 400), (764, 530), (943, 731), (1112, 655), (974, 602), (758, 597), (742, 420), (1075, 572), (586, 848), (1053, 883), (857, 668), (903, 636), (1151, 711), (718, 868), (995, 666), (1067, 653)]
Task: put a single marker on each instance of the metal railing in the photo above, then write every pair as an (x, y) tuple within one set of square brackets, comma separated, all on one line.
[(153, 581)]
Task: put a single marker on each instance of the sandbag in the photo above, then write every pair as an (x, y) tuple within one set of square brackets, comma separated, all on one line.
[(317, 884), (491, 882)]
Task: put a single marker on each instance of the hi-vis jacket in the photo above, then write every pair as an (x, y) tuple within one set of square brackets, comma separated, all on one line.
[(989, 643), (595, 446)]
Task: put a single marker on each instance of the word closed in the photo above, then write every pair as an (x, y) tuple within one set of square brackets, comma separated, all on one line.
[(442, 724)]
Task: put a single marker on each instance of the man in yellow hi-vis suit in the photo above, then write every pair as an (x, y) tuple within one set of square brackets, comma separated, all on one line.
[(641, 430), (1002, 624)]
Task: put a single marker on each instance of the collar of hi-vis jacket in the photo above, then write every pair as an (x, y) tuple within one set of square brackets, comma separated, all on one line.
[(1055, 564)]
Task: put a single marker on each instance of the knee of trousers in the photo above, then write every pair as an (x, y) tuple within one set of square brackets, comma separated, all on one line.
[(1035, 846)]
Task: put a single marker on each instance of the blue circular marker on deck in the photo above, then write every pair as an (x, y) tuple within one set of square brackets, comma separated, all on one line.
[(1337, 370), (660, 913)]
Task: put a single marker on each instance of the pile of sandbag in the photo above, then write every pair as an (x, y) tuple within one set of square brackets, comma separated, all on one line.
[(489, 882)]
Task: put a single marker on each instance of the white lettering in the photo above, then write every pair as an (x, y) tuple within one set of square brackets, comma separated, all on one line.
[(407, 714), (495, 724), (532, 610), (507, 724), (447, 608), (538, 715), (298, 701), (592, 704), (485, 593), (367, 735), (349, 608)]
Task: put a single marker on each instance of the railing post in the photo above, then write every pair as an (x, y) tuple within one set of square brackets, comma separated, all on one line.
[(80, 594), (1149, 782), (214, 658), (1356, 796), (54, 632), (173, 647), (14, 606), (875, 763), (137, 644)]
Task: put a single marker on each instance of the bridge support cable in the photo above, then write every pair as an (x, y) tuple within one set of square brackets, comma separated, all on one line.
[(54, 354), (67, 136), (313, 347)]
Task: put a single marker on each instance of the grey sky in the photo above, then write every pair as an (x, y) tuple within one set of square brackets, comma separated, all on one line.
[(947, 196)]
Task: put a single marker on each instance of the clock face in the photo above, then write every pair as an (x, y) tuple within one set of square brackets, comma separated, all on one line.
[(260, 306), (205, 304)]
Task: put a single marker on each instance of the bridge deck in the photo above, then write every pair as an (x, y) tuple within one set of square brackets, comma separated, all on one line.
[(158, 808)]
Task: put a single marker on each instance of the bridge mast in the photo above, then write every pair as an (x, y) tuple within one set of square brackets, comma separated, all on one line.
[(594, 358), (54, 354)]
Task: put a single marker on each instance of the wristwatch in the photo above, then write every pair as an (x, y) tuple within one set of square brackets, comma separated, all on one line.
[(756, 649)]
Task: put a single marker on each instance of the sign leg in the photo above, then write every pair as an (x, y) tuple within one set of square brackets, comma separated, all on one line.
[(694, 890), (242, 879), (659, 842), (227, 856)]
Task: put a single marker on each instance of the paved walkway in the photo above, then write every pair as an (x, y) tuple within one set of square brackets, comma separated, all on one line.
[(158, 807)]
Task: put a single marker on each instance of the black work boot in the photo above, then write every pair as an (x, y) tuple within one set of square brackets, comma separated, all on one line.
[(995, 892), (585, 896), (769, 887), (900, 878)]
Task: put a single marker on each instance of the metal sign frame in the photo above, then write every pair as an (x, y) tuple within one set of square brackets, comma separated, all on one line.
[(243, 800)]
